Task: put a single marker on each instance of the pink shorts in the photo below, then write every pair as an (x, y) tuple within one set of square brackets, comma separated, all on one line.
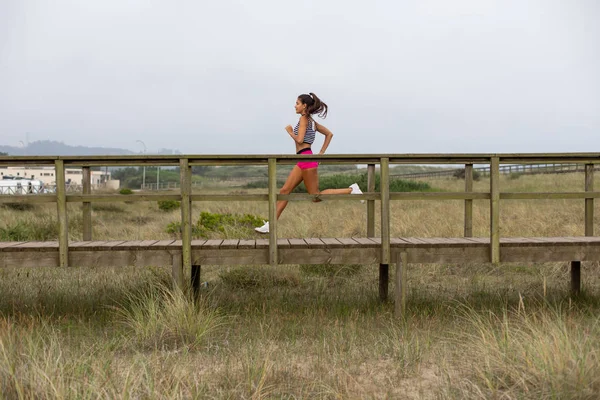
[(307, 164)]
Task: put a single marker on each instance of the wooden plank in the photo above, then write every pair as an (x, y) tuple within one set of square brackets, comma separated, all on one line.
[(93, 245), (439, 196), (283, 244), (231, 257), (332, 243), (541, 254), (262, 243), (548, 195), (246, 244), (4, 245), (163, 243), (426, 255), (212, 244), (61, 205), (229, 197), (384, 182), (185, 178), (589, 203), (147, 243), (117, 198), (110, 244), (371, 203), (479, 240), (494, 210), (73, 245), (314, 243), (366, 242), (297, 243), (468, 228), (330, 256), (273, 258), (414, 241), (347, 242), (398, 242), (230, 243), (87, 206)]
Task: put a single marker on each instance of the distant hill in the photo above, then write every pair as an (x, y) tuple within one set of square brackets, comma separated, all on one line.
[(52, 148)]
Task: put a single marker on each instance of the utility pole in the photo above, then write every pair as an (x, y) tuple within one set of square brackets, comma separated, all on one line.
[(144, 173)]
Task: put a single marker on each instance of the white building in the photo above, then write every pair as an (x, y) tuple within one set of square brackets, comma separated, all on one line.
[(47, 175)]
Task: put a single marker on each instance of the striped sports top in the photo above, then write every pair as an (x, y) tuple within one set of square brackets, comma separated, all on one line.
[(309, 136)]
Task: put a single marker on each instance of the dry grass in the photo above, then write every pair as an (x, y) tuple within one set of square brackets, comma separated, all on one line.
[(471, 331)]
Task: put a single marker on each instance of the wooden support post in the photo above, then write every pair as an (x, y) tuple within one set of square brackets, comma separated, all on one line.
[(371, 203), (384, 188), (185, 178), (468, 202), (273, 256), (401, 266), (385, 210), (589, 228), (384, 279), (87, 206), (575, 277), (495, 210), (177, 272), (63, 223), (196, 269)]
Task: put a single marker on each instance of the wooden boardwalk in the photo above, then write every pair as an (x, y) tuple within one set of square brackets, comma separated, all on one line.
[(300, 251), (187, 255)]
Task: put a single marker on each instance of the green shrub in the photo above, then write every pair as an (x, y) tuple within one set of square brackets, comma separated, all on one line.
[(126, 191), (168, 205), (460, 174), (214, 222)]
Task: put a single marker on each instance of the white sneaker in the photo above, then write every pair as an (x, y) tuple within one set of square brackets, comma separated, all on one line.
[(356, 190), (264, 228)]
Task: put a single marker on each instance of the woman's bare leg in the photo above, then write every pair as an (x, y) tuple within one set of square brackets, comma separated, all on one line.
[(293, 180), (311, 181)]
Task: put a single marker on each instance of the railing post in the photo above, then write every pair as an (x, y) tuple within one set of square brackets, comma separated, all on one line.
[(87, 206), (494, 210), (63, 224), (468, 202), (371, 203), (589, 228), (589, 203), (273, 256), (385, 210), (186, 218)]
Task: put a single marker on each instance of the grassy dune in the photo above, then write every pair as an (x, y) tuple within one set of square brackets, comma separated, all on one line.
[(471, 331)]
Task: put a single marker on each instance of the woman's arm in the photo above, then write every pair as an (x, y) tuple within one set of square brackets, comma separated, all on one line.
[(301, 130), (328, 136)]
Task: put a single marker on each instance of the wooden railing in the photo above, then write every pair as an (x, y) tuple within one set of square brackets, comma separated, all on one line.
[(521, 169), (186, 162)]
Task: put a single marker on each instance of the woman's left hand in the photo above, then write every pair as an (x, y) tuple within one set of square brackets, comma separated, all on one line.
[(289, 129)]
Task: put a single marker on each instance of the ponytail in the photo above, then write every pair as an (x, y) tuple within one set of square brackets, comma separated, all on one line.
[(314, 105)]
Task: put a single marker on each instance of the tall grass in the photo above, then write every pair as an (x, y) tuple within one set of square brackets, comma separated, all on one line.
[(160, 318), (549, 353), (287, 331)]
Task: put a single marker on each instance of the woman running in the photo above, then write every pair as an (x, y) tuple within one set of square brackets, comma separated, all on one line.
[(303, 134)]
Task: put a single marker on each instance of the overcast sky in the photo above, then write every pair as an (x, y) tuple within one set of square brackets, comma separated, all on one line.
[(221, 77)]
